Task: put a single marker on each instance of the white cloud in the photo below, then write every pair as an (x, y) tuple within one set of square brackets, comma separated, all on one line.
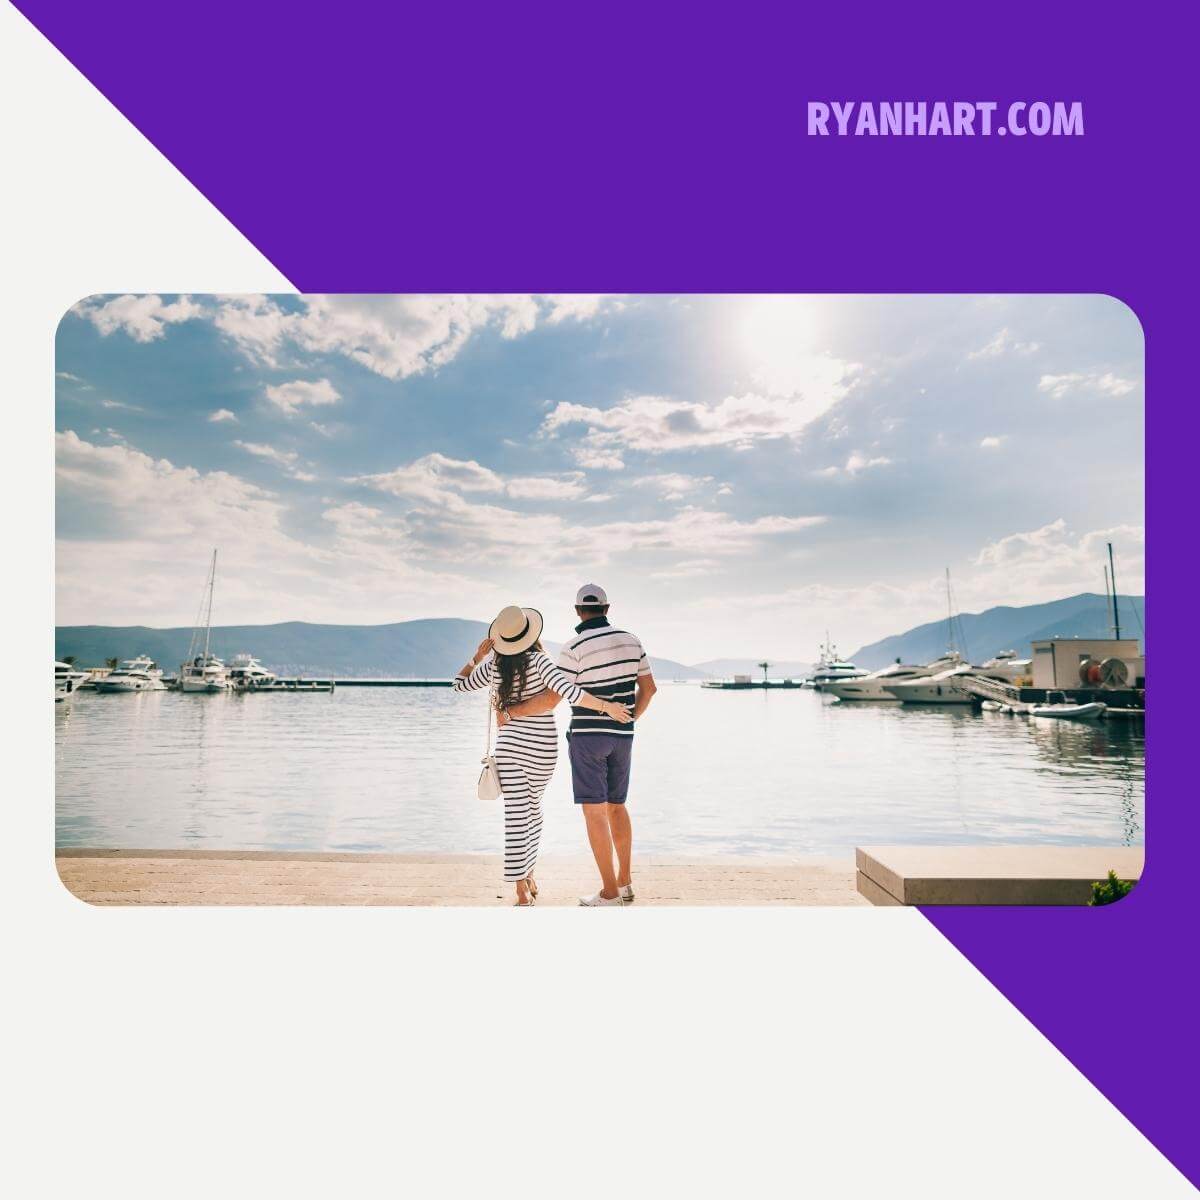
[(725, 490), (694, 530), (394, 336), (1058, 386), (143, 318), (597, 460), (150, 525), (1004, 343), (286, 460), (187, 501), (542, 487), (690, 568), (856, 463), (68, 376), (433, 477), (324, 430), (673, 486), (1053, 561), (222, 414), (445, 514), (577, 306), (256, 324), (281, 458), (993, 441), (288, 397), (655, 424)]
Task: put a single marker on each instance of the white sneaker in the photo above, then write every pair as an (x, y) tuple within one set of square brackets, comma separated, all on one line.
[(626, 890), (599, 901)]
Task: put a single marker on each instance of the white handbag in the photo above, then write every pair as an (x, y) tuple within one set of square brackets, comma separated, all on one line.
[(488, 787)]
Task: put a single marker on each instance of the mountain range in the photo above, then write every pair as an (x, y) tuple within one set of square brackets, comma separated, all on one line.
[(437, 647), (987, 633), (427, 649)]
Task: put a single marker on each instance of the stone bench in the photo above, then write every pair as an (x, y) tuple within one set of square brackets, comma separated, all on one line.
[(989, 874)]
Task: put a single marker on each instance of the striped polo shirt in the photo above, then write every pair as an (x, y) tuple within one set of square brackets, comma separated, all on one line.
[(606, 662)]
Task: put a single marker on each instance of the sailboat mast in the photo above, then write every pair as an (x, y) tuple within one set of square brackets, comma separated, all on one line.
[(1112, 574), (1107, 593), (212, 582), (949, 614)]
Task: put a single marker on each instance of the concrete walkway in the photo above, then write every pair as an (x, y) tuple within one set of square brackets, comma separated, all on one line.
[(266, 877)]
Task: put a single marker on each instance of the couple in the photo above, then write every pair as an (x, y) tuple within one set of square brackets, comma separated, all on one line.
[(604, 675)]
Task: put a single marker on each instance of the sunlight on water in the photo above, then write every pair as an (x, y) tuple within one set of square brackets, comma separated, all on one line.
[(394, 769)]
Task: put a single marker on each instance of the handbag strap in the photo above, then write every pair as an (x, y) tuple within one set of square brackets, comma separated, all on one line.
[(491, 708)]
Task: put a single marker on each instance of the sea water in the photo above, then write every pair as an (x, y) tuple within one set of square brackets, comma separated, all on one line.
[(714, 773)]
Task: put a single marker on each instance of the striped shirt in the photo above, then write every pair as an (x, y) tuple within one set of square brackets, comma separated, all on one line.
[(605, 662)]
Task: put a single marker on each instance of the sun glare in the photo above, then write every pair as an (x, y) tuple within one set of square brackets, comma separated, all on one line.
[(774, 328)]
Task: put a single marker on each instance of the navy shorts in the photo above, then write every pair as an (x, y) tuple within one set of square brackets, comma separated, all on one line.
[(600, 767)]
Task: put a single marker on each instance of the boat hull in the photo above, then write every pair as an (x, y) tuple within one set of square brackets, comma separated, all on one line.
[(1069, 712), (126, 685), (932, 693), (203, 685), (859, 689)]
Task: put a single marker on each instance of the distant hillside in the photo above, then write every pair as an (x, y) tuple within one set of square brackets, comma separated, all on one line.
[(783, 669), (433, 649), (1006, 628)]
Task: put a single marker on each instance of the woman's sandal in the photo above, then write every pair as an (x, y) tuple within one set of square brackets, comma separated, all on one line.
[(530, 892), (531, 884)]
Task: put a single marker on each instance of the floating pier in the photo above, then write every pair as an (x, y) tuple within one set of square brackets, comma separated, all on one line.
[(292, 685), (1119, 702), (423, 683), (890, 875), (738, 685)]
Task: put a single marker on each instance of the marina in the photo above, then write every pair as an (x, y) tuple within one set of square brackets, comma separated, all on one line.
[(393, 770)]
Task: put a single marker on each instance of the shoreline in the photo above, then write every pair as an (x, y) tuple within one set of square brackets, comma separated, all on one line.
[(125, 877)]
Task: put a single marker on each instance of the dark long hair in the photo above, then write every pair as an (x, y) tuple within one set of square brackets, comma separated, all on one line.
[(512, 670)]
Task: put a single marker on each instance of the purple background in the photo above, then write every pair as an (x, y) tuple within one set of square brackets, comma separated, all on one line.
[(639, 148)]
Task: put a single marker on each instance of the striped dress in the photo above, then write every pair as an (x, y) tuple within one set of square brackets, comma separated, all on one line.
[(526, 752)]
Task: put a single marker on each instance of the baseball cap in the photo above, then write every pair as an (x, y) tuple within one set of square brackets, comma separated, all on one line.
[(591, 593)]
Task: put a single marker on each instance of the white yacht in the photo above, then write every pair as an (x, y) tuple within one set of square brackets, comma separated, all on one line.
[(875, 686), (830, 668), (204, 671), (246, 673), (1007, 663), (139, 674), (66, 680), (942, 688)]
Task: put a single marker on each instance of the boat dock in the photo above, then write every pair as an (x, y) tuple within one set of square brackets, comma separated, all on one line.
[(738, 685), (394, 682), (1122, 702)]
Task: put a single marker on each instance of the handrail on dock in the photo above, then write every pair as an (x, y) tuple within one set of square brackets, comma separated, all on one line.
[(990, 689)]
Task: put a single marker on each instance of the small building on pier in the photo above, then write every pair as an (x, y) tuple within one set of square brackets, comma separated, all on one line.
[(1088, 662)]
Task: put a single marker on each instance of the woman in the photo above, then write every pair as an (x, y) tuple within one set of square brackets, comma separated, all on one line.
[(526, 747)]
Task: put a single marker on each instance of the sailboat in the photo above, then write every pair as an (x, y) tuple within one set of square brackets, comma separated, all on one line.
[(939, 683), (203, 671)]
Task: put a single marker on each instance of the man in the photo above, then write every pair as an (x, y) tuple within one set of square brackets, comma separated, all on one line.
[(609, 663)]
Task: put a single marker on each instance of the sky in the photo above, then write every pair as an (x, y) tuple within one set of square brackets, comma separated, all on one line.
[(741, 473)]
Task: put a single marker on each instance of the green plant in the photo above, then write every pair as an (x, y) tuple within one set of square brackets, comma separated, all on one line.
[(1111, 890), (69, 659), (111, 663)]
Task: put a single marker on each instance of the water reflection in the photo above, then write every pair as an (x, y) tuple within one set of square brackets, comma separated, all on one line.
[(714, 772)]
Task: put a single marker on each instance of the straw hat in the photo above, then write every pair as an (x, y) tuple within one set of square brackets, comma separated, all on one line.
[(515, 630)]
